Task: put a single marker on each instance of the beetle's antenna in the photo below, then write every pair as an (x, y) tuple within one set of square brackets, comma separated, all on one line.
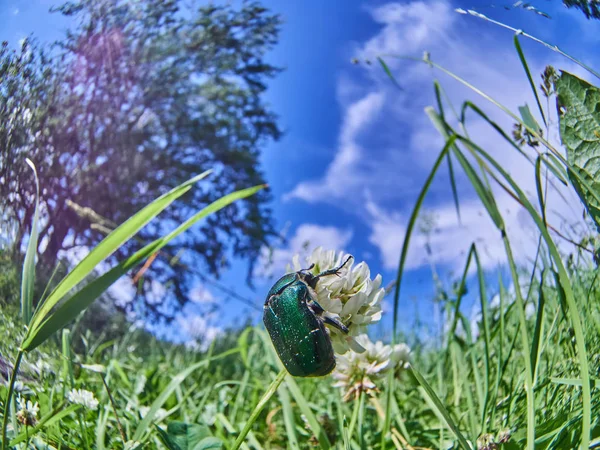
[(335, 270), (309, 268)]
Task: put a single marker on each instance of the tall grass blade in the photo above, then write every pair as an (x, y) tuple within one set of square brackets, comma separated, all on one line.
[(388, 72), (529, 77), (258, 408), (108, 246), (411, 225), (70, 308), (564, 283), (288, 418), (537, 333), (144, 425), (440, 409), (554, 48), (28, 277)]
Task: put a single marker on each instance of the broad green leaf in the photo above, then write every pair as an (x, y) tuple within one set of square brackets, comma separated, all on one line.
[(28, 279), (79, 301), (528, 118), (578, 106), (185, 436), (209, 443), (107, 247)]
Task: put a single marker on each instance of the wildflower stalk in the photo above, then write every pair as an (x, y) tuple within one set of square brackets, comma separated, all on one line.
[(258, 408), (114, 407), (11, 387), (358, 402)]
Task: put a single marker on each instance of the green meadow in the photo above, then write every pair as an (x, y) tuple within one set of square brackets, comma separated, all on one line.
[(525, 374)]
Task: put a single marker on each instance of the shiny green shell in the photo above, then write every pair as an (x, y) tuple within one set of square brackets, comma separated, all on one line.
[(298, 334)]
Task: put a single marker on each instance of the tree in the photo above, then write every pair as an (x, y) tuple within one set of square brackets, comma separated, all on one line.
[(591, 8), (138, 97)]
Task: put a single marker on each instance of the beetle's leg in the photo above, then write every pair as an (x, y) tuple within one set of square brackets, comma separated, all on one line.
[(336, 324), (335, 270), (316, 308)]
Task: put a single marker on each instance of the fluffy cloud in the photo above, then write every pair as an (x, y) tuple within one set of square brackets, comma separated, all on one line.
[(349, 154), (387, 144), (306, 238), (199, 332), (199, 294)]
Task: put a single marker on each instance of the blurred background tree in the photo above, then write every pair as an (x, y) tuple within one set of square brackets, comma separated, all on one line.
[(138, 97), (591, 8)]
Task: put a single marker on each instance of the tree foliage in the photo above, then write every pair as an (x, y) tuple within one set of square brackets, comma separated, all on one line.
[(590, 8), (138, 97)]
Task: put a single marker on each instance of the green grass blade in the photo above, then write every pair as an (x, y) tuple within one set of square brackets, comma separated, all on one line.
[(485, 195), (486, 336), (441, 123), (108, 246), (302, 403), (554, 48), (538, 187), (388, 72), (28, 278), (566, 286), (79, 301), (529, 77), (55, 416), (440, 409), (144, 425), (537, 333), (409, 229), (288, 418), (258, 408)]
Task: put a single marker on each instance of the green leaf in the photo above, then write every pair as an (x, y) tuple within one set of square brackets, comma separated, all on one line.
[(79, 301), (107, 247), (185, 436), (528, 118), (578, 106), (28, 279), (209, 443)]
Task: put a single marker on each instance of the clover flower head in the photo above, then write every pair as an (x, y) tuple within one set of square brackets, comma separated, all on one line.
[(351, 297), (83, 397), (160, 415), (27, 412), (360, 372)]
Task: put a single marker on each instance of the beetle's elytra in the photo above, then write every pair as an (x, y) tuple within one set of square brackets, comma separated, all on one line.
[(296, 324)]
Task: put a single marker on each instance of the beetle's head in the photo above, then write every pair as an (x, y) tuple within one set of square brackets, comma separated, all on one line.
[(306, 276)]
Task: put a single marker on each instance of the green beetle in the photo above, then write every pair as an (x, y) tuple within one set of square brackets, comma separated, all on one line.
[(296, 323)]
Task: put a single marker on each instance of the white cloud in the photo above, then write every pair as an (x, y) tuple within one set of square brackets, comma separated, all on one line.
[(199, 294), (307, 237), (198, 330), (387, 145), (348, 156)]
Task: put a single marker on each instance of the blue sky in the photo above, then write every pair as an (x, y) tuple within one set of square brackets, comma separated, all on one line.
[(357, 150)]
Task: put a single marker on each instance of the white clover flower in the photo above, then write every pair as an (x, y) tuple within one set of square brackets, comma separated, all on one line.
[(359, 372), (27, 412), (83, 397), (209, 414), (159, 416), (351, 297)]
